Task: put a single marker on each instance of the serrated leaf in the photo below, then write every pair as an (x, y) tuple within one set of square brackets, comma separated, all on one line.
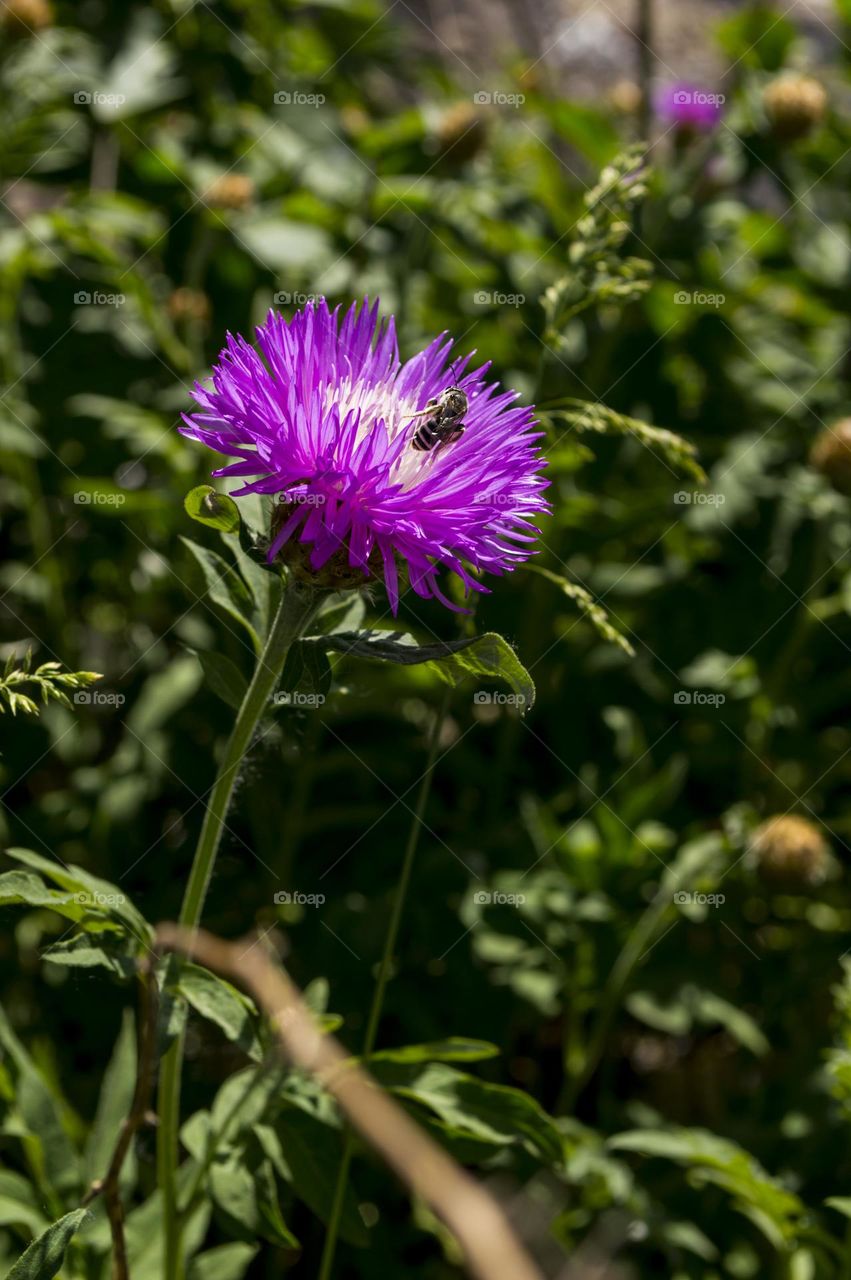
[(488, 656), (44, 1257), (225, 588)]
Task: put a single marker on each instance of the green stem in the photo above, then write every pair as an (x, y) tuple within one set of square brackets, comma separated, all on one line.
[(297, 607), (381, 983)]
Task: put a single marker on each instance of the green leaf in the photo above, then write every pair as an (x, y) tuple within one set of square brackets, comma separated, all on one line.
[(307, 1153), (453, 1049), (22, 888), (224, 1005), (20, 1205), (489, 656), (471, 1107), (48, 1146), (96, 895), (307, 671), (224, 677), (111, 951), (226, 1262), (842, 1204), (116, 1095), (44, 1257), (225, 588), (216, 510)]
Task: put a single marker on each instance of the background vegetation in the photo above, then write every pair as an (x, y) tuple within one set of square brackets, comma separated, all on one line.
[(667, 996)]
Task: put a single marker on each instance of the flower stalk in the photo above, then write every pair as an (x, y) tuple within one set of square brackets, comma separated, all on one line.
[(298, 606)]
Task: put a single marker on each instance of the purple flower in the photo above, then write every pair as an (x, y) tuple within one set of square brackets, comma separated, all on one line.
[(323, 416), (689, 108)]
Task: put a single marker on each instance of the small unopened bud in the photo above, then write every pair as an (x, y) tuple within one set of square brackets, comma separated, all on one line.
[(189, 304), (795, 105), (230, 191), (23, 16), (461, 132), (831, 455), (790, 852)]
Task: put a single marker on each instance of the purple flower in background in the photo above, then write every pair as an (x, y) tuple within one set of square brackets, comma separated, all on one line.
[(688, 108), (324, 417)]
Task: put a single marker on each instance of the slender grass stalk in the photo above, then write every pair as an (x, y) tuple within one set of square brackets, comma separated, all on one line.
[(381, 982), (298, 605)]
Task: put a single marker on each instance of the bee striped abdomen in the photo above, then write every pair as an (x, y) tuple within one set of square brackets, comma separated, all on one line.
[(426, 437)]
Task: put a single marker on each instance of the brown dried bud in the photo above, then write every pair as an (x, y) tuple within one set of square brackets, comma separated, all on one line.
[(831, 455), (790, 852), (795, 105), (189, 304), (24, 16), (461, 132), (230, 191), (625, 97)]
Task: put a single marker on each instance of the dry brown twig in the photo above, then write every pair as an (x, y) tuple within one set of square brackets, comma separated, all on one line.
[(491, 1249), (108, 1186)]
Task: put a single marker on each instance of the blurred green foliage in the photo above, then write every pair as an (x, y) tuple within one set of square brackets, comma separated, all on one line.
[(586, 896)]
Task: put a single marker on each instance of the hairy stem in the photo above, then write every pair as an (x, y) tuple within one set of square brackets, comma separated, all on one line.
[(298, 605), (381, 982)]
